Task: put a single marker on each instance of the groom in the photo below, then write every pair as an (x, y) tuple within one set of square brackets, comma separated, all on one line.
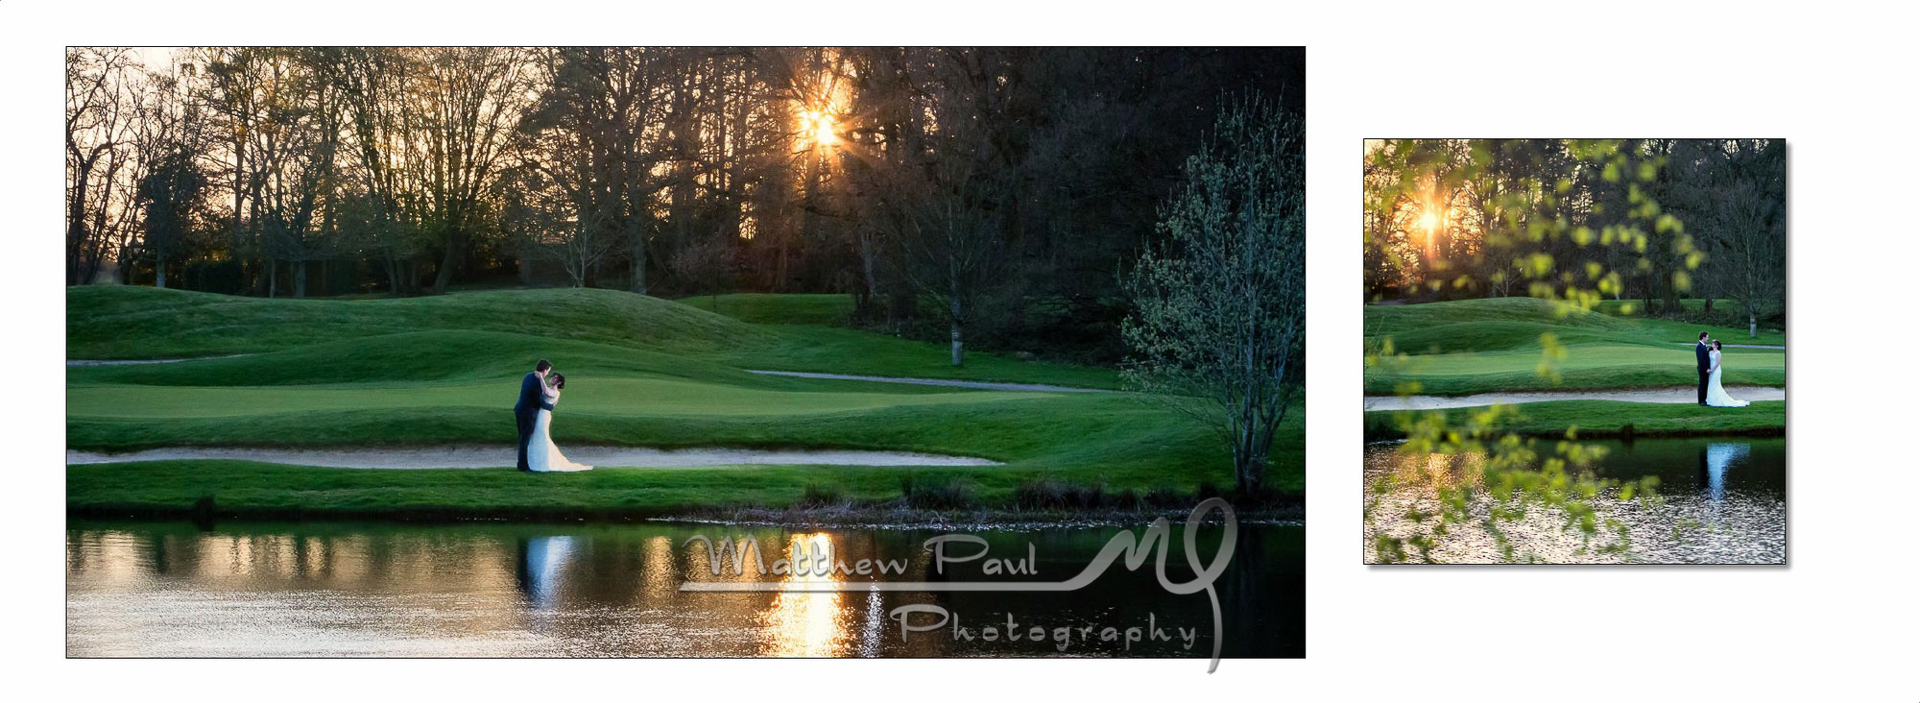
[(1701, 363), (532, 401)]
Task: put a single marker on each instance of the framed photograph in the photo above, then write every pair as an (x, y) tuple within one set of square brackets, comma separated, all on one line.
[(1576, 351), (493, 351)]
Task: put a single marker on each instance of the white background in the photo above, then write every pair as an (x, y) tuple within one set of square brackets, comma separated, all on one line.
[(1836, 80)]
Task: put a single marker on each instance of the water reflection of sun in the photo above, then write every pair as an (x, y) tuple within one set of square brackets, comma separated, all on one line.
[(1438, 470), (807, 624)]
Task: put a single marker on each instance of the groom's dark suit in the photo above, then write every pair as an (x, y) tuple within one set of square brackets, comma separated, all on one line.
[(532, 401), (1703, 363)]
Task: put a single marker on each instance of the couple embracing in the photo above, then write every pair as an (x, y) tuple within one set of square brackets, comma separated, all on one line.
[(1707, 360), (539, 391)]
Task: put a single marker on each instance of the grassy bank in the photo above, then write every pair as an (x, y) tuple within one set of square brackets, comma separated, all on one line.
[(1604, 418), (239, 489)]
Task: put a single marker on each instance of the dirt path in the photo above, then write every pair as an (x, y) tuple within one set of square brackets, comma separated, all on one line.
[(481, 457), (1662, 395), (976, 385)]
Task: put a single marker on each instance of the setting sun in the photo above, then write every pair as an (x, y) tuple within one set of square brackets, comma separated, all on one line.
[(818, 126)]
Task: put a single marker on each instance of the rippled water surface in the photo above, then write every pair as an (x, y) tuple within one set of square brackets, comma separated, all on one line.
[(1723, 501), (324, 589)]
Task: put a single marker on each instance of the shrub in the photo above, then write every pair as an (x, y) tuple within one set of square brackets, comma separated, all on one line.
[(952, 494), (815, 495)]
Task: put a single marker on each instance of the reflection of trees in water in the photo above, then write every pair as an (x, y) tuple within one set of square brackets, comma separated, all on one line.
[(1262, 597)]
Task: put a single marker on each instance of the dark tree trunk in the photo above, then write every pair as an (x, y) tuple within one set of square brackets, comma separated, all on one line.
[(77, 224), (638, 284), (445, 275)]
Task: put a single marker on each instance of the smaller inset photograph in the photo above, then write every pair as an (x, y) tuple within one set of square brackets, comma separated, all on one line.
[(1576, 351)]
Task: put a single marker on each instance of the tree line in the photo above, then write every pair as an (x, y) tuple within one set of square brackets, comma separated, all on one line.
[(985, 196), (1673, 218)]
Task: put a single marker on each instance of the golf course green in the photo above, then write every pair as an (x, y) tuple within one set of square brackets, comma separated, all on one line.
[(1495, 345), (644, 372)]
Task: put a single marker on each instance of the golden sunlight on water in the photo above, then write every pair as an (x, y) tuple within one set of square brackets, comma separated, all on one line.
[(807, 624), (174, 590), (1719, 501), (658, 574)]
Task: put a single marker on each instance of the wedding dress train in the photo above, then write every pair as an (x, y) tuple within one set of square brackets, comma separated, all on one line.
[(544, 456), (1717, 396)]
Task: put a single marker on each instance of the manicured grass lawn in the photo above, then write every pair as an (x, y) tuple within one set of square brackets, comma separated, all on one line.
[(1587, 367), (783, 308), (1603, 418), (1114, 442), (274, 489), (610, 396), (270, 489), (641, 372), (1478, 346), (1491, 324)]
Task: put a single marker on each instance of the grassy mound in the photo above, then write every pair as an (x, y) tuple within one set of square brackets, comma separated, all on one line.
[(125, 322), (778, 308), (436, 355), (1496, 335), (1401, 319), (128, 322)]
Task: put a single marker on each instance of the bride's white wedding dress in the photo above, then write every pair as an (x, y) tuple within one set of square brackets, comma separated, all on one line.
[(543, 456), (1717, 396)]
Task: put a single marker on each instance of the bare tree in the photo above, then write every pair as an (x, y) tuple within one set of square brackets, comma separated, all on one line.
[(1750, 251), (706, 265), (544, 210), (952, 198), (103, 103), (467, 100), (380, 214), (293, 174)]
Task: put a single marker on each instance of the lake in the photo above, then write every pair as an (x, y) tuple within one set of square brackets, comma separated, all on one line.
[(1723, 501), (512, 590)]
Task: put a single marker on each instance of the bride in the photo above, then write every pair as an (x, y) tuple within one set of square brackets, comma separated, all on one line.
[(1716, 396), (544, 456)]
